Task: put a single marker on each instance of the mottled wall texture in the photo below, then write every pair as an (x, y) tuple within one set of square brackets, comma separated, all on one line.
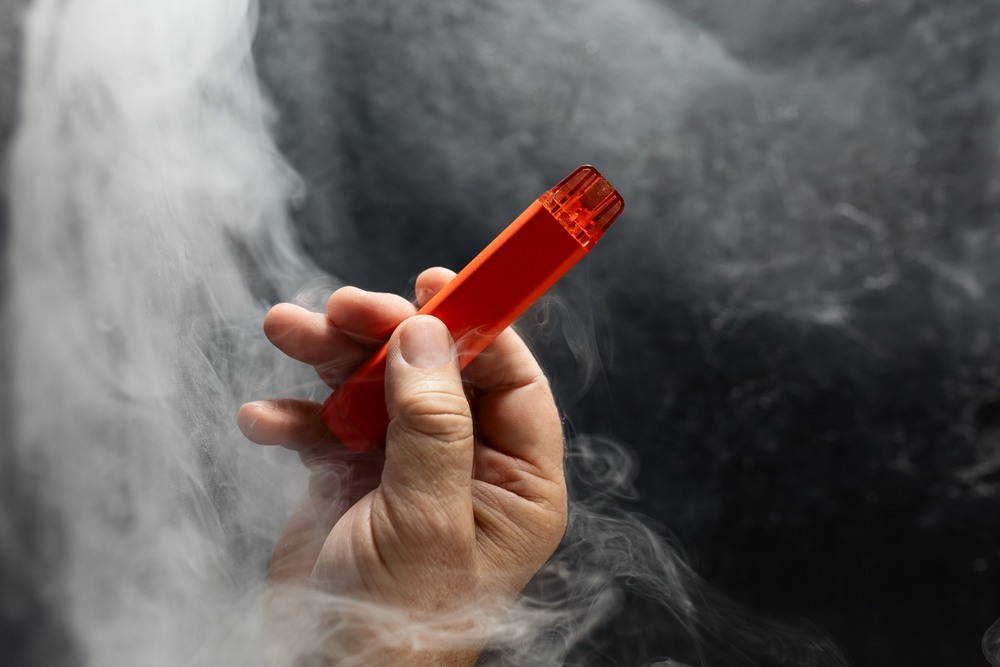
[(785, 354)]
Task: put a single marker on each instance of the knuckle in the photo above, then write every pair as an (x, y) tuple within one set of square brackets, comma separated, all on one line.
[(440, 414)]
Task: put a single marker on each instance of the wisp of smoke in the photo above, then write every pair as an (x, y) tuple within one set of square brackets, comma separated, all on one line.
[(148, 219), (149, 229)]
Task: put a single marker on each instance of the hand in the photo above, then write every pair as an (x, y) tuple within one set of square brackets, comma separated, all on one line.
[(466, 501)]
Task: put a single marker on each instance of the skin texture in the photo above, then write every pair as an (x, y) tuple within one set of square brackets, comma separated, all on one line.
[(466, 501)]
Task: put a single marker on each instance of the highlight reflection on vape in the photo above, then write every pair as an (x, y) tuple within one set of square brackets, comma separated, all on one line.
[(496, 287)]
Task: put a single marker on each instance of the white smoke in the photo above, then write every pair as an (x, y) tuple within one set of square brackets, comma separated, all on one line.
[(143, 184)]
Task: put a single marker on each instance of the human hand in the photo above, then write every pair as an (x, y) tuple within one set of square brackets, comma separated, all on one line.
[(466, 501)]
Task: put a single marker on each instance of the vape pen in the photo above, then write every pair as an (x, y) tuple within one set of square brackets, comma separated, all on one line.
[(528, 257)]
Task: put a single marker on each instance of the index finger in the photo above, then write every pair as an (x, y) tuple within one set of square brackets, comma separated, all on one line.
[(356, 323), (515, 410)]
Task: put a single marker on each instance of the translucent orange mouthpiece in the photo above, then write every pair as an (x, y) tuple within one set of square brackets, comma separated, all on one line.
[(585, 203)]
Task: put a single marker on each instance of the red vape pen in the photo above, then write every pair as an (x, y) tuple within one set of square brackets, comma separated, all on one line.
[(528, 257)]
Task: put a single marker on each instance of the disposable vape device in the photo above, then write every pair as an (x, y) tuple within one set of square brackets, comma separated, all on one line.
[(528, 257)]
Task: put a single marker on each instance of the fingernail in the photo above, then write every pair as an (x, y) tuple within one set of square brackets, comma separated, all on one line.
[(425, 343)]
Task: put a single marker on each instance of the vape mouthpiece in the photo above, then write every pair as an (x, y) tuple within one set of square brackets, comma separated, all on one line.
[(585, 204)]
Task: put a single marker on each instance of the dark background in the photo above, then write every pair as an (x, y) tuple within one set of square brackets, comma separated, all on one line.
[(794, 324)]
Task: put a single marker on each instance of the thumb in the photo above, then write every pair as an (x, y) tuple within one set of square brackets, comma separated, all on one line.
[(429, 444)]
